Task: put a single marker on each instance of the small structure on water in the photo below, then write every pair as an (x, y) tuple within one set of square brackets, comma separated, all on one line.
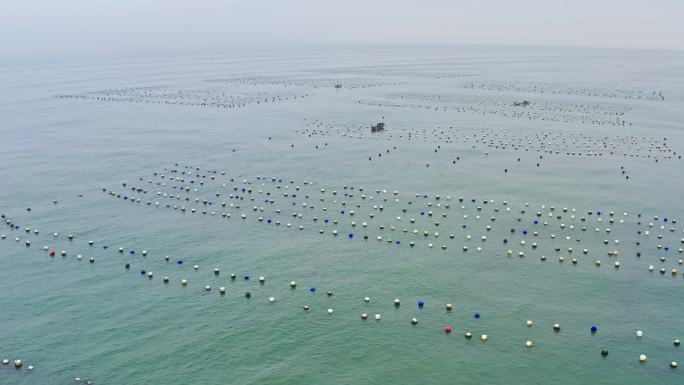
[(379, 126)]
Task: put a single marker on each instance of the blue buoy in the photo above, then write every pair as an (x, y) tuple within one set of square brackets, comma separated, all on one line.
[(536, 222), (525, 232), (398, 242), (473, 200), (127, 266), (421, 304), (341, 211), (268, 221), (477, 315), (594, 328), (313, 290), (246, 277), (464, 226), (142, 272), (132, 252), (105, 247), (325, 220), (351, 235), (180, 261)]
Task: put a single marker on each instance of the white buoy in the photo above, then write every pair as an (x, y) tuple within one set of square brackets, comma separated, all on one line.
[(642, 358), (449, 307), (293, 284), (529, 323), (184, 282), (364, 316), (222, 290), (529, 344), (331, 310), (484, 337), (366, 299), (377, 317), (271, 299), (414, 321), (207, 288), (18, 364), (673, 364), (639, 333), (397, 302)]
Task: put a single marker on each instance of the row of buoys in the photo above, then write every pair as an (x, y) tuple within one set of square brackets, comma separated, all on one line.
[(17, 363), (165, 96), (542, 141), (574, 260), (396, 302)]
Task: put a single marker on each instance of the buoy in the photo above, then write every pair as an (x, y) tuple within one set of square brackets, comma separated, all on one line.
[(364, 316), (673, 364), (529, 344), (594, 328), (676, 342), (248, 295), (377, 317), (556, 327), (166, 279), (642, 358), (207, 288), (639, 333), (484, 337), (468, 335), (271, 299), (366, 299), (330, 311), (449, 307), (414, 321), (529, 323), (222, 290), (184, 282), (397, 302), (18, 364), (447, 329), (5, 361), (604, 352), (217, 271), (293, 284), (305, 307)]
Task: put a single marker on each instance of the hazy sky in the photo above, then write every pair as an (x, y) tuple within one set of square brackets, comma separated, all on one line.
[(54, 29)]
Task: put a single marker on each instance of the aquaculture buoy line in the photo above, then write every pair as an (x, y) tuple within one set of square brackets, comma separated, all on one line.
[(267, 198), (292, 286), (539, 142), (17, 364)]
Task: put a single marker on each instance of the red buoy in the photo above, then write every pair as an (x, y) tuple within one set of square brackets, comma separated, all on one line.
[(52, 253), (447, 329)]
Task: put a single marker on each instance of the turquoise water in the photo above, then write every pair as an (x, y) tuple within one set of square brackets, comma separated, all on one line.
[(452, 131)]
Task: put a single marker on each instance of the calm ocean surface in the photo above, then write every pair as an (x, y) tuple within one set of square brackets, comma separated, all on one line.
[(451, 131)]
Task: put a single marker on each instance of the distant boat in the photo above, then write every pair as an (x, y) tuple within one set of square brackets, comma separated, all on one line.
[(380, 126), (338, 85)]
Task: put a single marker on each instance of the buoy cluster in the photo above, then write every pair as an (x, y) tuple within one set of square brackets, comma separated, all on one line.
[(433, 221)]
